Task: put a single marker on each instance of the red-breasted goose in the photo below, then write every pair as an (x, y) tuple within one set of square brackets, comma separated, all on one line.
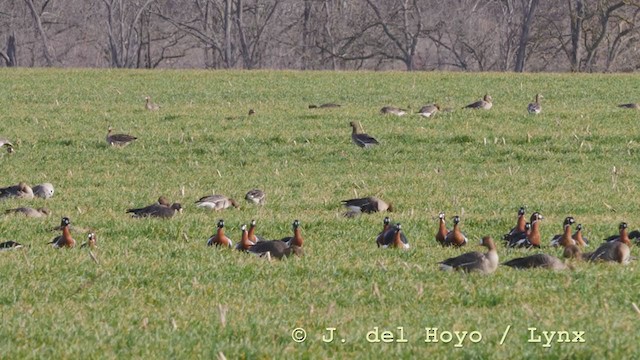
[(475, 261), (617, 250), (360, 138), (395, 238), (216, 202), (537, 261), (455, 237), (367, 205), (577, 236), (429, 110), (252, 233), (519, 229), (296, 239), (10, 245), (566, 233), (118, 139), (91, 241), (535, 107), (64, 240), (219, 238), (245, 244), (393, 111), (44, 191), (441, 235), (530, 238), (150, 105), (6, 143), (255, 196), (485, 103), (156, 210), (29, 212), (386, 225), (20, 191)]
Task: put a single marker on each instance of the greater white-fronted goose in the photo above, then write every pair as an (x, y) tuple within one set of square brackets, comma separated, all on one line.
[(275, 249), (615, 251), (219, 238), (429, 110), (156, 210), (119, 139), (216, 202), (392, 110), (535, 107), (29, 212), (531, 237), (44, 190), (252, 233), (366, 205), (441, 235), (6, 143), (91, 241), (475, 261), (256, 196), (10, 245), (566, 233), (386, 225), (632, 106), (245, 244), (537, 261), (395, 238), (150, 105), (360, 138), (455, 237), (485, 103), (519, 229), (20, 191), (324, 106), (65, 240)]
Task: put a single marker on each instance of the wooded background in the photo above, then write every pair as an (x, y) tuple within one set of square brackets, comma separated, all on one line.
[(464, 35)]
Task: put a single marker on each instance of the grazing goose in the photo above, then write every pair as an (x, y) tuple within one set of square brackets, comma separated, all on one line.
[(10, 245), (91, 241), (216, 202), (530, 238), (474, 261), (324, 106), (252, 233), (119, 139), (394, 237), (156, 210), (219, 238), (485, 103), (4, 142), (386, 225), (150, 105), (429, 110), (633, 106), (455, 237), (256, 196), (64, 240), (535, 107), (579, 239), (392, 110), (20, 191), (537, 261), (29, 212), (565, 237), (518, 229), (360, 138), (366, 205), (615, 251), (296, 239), (245, 244), (44, 191), (441, 235)]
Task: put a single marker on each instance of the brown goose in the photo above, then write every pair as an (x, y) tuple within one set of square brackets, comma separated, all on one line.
[(245, 244), (29, 212), (485, 103), (119, 139), (530, 238), (4, 142), (255, 196), (44, 190), (216, 202), (150, 105), (386, 225), (565, 237), (633, 106), (455, 237), (156, 210), (360, 138), (296, 239), (395, 238), (325, 106), (392, 110), (91, 241), (617, 250), (20, 191), (429, 110), (535, 107), (519, 228), (475, 261), (252, 233), (441, 235), (537, 261), (366, 205), (64, 240), (219, 238), (577, 236)]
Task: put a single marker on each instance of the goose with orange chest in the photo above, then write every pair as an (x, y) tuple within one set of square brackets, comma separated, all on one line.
[(395, 238), (441, 235), (65, 240), (455, 237), (279, 249), (245, 244), (219, 238), (530, 238), (566, 236), (386, 225), (91, 241), (252, 233), (519, 228)]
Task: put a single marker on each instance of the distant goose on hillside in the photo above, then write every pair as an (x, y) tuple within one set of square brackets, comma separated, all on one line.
[(485, 103), (429, 110), (150, 105), (216, 202), (535, 107), (324, 106), (255, 196), (44, 190), (393, 111), (632, 106), (118, 139), (361, 138), (20, 191), (475, 261), (4, 142)]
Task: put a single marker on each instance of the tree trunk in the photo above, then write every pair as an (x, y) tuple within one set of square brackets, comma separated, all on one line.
[(227, 33), (41, 32), (576, 35), (528, 15)]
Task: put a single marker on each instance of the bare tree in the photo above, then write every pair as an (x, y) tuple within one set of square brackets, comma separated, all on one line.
[(124, 39), (528, 14)]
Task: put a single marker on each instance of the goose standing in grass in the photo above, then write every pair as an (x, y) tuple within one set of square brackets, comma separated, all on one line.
[(91, 241), (255, 196), (325, 106), (29, 212), (537, 261), (65, 240), (392, 110), (252, 233), (566, 233), (156, 210), (474, 261), (10, 245), (386, 225), (6, 143), (455, 237), (245, 244), (519, 228), (485, 104), (119, 139), (632, 106), (579, 239), (535, 107), (219, 238), (361, 138), (395, 238), (441, 235), (150, 105), (20, 191), (44, 191), (530, 238), (614, 251), (429, 110), (216, 202), (366, 205)]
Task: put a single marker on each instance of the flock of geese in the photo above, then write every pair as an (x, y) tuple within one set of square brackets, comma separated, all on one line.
[(524, 234)]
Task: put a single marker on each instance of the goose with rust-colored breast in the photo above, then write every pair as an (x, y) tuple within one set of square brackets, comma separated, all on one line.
[(530, 238), (519, 229), (614, 251), (119, 140), (386, 225), (566, 233), (216, 202), (441, 235), (252, 233), (535, 107), (91, 241), (475, 261), (65, 240), (245, 244), (360, 138), (455, 237), (486, 103), (219, 238), (580, 240), (395, 238), (287, 246)]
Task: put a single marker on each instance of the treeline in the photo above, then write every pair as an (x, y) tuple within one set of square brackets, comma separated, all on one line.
[(463, 35)]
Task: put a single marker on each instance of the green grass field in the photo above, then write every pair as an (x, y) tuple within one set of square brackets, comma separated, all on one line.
[(158, 292)]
